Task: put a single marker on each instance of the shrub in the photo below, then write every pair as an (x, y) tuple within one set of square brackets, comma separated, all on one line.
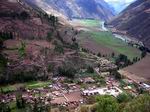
[(67, 71), (90, 69), (59, 48), (49, 36)]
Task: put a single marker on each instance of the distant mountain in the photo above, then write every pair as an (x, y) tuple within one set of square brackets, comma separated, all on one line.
[(135, 21), (119, 5), (77, 8)]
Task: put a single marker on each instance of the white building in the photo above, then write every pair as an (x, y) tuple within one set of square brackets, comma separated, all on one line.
[(103, 91)]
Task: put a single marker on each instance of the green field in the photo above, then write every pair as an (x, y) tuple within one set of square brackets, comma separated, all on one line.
[(89, 22), (29, 85), (106, 39)]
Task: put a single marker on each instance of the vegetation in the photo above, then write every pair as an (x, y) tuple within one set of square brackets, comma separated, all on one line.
[(122, 61), (50, 68), (109, 41), (67, 71), (15, 15), (59, 48), (124, 103), (90, 69), (21, 50), (139, 104), (116, 74), (107, 104), (90, 22), (29, 85), (49, 36), (124, 97), (51, 18)]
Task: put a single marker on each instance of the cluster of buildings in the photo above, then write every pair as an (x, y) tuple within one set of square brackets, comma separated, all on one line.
[(71, 94)]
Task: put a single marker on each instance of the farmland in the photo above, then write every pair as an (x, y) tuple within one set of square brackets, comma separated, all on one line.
[(29, 85), (140, 70), (89, 22), (107, 40), (103, 41)]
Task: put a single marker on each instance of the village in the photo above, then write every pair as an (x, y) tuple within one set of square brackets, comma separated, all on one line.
[(71, 93)]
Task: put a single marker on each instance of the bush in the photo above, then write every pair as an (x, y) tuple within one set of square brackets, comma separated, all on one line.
[(90, 69), (49, 36), (123, 98), (21, 50), (24, 15), (67, 71), (50, 68), (59, 49)]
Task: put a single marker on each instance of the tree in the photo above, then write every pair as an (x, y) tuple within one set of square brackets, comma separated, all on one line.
[(3, 63), (107, 104), (20, 103), (139, 104), (21, 50), (143, 54), (73, 39), (67, 71), (4, 107), (112, 55), (123, 98), (1, 43), (90, 69), (50, 68), (24, 15), (122, 61), (116, 74), (99, 54), (49, 36), (59, 49)]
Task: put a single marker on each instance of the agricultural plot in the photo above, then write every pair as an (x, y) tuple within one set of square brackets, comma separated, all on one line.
[(89, 22), (106, 39), (28, 85)]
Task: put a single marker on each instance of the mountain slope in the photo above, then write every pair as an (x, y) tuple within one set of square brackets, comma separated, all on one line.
[(77, 8), (29, 26), (135, 21), (30, 42)]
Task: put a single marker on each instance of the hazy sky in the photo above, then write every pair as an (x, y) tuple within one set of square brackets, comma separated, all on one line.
[(119, 5), (126, 1)]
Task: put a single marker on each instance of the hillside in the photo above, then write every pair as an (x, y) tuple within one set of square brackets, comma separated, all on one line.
[(76, 8), (31, 41), (134, 21)]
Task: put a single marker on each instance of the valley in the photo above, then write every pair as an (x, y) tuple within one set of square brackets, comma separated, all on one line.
[(73, 56), (93, 31)]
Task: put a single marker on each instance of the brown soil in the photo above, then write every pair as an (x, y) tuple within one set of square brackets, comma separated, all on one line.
[(95, 48), (140, 69)]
